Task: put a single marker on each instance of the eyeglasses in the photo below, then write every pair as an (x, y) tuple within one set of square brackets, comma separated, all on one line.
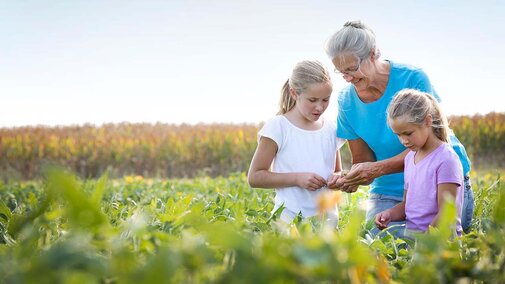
[(349, 71)]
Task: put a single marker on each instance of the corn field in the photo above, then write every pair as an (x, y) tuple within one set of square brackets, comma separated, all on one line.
[(165, 150)]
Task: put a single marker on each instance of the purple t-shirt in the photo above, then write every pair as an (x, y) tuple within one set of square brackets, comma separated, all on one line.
[(421, 182)]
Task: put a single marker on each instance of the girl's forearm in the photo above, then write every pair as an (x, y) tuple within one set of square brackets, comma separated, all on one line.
[(268, 179), (338, 162), (397, 213)]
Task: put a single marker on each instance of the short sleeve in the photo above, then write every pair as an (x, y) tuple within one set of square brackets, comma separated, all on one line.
[(344, 127), (450, 171), (272, 129)]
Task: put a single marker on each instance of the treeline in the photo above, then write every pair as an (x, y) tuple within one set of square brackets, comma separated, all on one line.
[(168, 150), (160, 150), (483, 137)]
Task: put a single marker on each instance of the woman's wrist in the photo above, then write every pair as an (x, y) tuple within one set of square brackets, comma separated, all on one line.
[(380, 168)]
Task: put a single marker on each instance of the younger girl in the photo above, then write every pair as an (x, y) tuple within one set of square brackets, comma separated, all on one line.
[(433, 172), (297, 151)]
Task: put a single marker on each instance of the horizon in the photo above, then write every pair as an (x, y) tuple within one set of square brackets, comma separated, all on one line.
[(88, 62), (98, 125)]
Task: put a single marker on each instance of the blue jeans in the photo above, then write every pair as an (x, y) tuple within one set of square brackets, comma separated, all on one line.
[(380, 202), (468, 204)]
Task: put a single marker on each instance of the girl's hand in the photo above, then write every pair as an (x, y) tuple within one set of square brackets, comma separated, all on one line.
[(333, 179), (382, 219), (337, 181), (310, 181)]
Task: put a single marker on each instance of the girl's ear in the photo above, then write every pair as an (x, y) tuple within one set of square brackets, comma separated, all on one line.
[(292, 93), (428, 121)]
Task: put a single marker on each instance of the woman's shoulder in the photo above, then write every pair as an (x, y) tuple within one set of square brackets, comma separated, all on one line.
[(346, 95), (409, 76), (404, 68), (346, 91)]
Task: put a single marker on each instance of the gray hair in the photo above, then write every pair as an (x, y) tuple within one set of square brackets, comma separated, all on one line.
[(354, 38), (305, 74), (415, 106)]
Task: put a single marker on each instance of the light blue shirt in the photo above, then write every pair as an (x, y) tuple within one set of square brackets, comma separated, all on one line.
[(368, 121)]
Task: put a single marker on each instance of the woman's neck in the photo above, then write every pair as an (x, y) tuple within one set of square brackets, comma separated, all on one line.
[(378, 82)]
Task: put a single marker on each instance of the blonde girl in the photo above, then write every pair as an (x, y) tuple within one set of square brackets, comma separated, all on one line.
[(297, 151), (433, 172)]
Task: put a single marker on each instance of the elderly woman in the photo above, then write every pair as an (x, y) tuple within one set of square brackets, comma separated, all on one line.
[(377, 154)]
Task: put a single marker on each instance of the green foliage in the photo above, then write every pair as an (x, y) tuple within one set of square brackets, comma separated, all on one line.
[(205, 230)]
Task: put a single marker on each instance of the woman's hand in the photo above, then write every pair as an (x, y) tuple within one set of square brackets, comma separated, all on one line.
[(337, 182), (333, 179), (360, 174), (348, 188), (382, 219), (364, 169), (310, 181)]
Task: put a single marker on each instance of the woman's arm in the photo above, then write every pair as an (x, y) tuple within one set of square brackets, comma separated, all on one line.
[(392, 165), (260, 175), (360, 153), (365, 168)]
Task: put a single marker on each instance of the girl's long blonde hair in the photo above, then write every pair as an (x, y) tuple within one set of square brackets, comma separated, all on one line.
[(303, 76), (415, 106)]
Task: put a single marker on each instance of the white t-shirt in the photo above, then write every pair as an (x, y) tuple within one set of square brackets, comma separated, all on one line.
[(301, 150)]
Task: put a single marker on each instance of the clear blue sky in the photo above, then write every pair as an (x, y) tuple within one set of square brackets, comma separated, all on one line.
[(72, 62)]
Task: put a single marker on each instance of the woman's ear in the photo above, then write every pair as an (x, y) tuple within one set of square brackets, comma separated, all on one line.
[(372, 55), (375, 54)]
